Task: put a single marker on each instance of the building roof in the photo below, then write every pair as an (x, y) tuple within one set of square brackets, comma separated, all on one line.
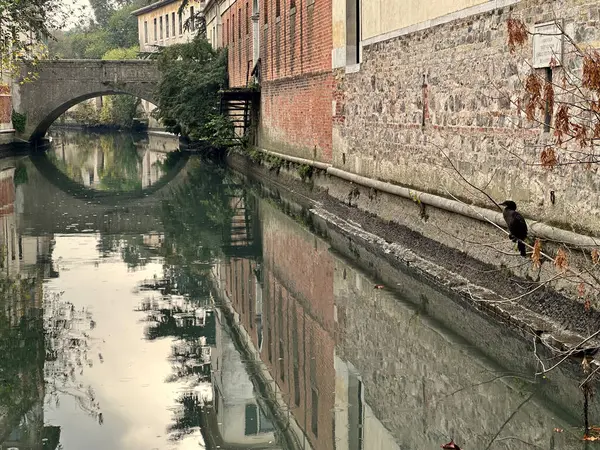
[(152, 7)]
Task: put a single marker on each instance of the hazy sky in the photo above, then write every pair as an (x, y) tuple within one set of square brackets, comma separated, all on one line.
[(87, 11)]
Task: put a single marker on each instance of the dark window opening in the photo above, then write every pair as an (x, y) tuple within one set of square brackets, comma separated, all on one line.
[(167, 25), (296, 385), (251, 422), (549, 112), (277, 8), (240, 24), (269, 343), (13, 253), (145, 31), (155, 30), (161, 26), (247, 19), (180, 24), (174, 24), (315, 412), (266, 11), (353, 32), (281, 362)]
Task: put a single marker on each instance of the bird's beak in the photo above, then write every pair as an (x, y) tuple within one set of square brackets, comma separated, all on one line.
[(502, 204)]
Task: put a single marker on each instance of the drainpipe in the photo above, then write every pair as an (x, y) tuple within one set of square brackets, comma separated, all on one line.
[(539, 229)]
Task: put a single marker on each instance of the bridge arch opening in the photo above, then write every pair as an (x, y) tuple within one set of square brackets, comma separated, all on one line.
[(42, 127)]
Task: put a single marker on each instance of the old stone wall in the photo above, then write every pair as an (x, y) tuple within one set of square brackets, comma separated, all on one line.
[(426, 383), (296, 78), (64, 83), (449, 93)]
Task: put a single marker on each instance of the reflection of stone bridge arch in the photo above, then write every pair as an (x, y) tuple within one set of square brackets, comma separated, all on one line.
[(61, 84), (55, 203)]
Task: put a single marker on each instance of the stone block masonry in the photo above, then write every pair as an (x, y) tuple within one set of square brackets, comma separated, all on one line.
[(449, 93)]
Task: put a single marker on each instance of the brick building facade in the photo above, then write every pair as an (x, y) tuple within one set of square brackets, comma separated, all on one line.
[(292, 38)]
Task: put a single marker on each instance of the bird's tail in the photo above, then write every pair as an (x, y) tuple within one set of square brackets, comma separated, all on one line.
[(521, 247)]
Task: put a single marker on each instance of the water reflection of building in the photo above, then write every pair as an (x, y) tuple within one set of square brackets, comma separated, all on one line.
[(285, 306), (97, 161), (342, 355), (240, 422), (24, 263)]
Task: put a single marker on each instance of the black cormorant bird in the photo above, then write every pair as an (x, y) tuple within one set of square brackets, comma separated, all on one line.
[(516, 225)]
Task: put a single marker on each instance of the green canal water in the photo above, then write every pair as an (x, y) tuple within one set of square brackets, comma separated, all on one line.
[(153, 300)]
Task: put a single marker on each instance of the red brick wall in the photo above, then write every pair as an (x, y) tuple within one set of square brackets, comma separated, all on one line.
[(296, 78), (7, 196), (239, 41), (296, 344), (5, 107), (296, 72), (240, 286), (298, 305)]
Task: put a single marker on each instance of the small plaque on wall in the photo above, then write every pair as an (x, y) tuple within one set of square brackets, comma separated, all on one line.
[(547, 45)]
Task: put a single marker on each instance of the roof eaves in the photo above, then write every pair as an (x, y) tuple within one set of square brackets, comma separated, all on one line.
[(152, 7)]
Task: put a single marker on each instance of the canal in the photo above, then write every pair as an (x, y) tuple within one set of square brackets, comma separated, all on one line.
[(153, 300)]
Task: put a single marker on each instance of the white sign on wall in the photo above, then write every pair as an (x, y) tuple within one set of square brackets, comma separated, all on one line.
[(547, 44)]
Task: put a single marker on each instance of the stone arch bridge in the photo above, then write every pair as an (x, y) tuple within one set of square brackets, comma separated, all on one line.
[(61, 84)]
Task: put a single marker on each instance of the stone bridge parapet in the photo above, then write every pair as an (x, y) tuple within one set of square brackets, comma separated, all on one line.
[(61, 84)]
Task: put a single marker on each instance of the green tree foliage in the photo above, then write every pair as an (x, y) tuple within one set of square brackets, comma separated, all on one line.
[(114, 28), (25, 24), (188, 93), (121, 53)]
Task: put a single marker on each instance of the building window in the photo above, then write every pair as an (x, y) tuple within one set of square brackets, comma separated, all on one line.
[(292, 4), (167, 25), (251, 422), (315, 412), (247, 19), (353, 32), (240, 24), (180, 24), (227, 33), (269, 345), (145, 31), (173, 22), (232, 25), (155, 31), (160, 20), (277, 8), (192, 20), (281, 361), (266, 11)]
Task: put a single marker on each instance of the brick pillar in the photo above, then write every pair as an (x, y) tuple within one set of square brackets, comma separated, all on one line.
[(5, 107)]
